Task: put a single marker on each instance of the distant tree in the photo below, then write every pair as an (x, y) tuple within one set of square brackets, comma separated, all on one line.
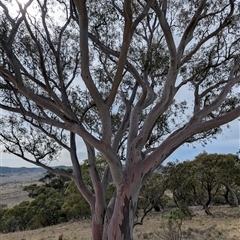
[(3, 205), (33, 190), (207, 175), (45, 209), (227, 167), (56, 181), (112, 73), (49, 196), (75, 206), (200, 180), (151, 197), (14, 219), (182, 183), (2, 212)]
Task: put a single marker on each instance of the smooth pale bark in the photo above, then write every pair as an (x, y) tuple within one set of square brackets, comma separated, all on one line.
[(96, 229)]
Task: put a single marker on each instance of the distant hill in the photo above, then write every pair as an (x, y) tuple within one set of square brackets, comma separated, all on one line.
[(22, 174), (24, 170), (19, 171)]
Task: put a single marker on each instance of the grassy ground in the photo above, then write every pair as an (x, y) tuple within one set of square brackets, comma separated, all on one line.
[(223, 225), (12, 194), (69, 231), (11, 188)]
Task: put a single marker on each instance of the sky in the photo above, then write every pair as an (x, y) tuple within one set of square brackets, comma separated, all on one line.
[(227, 142)]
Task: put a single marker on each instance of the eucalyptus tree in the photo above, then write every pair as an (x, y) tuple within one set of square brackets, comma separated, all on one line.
[(227, 171), (183, 184), (213, 172), (207, 174), (151, 197), (134, 79), (201, 180)]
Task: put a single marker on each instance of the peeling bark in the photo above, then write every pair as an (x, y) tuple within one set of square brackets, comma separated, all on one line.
[(122, 220)]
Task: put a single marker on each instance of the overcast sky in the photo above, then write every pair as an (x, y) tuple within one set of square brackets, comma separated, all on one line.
[(227, 142)]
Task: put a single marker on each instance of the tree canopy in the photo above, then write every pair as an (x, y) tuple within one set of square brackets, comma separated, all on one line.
[(111, 73)]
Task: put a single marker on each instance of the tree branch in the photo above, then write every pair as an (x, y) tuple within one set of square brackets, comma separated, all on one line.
[(211, 35), (78, 173), (127, 36)]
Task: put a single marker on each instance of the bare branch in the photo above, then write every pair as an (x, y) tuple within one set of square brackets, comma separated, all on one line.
[(211, 35), (188, 33), (142, 15), (221, 97), (78, 173), (127, 36), (161, 14)]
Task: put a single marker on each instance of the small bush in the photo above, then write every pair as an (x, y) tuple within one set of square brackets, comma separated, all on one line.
[(171, 226)]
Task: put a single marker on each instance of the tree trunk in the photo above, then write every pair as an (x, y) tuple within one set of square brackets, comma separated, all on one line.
[(121, 223), (226, 196), (234, 196), (207, 210), (96, 229), (207, 204)]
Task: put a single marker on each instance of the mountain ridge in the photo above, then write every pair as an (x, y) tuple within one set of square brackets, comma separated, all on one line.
[(24, 170)]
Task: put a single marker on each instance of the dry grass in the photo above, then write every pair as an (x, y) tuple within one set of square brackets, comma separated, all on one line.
[(11, 188), (12, 194), (68, 231), (223, 225)]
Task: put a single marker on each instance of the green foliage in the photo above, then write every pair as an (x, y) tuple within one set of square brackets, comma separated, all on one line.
[(55, 199), (152, 193), (171, 225), (44, 210), (175, 215), (181, 182), (206, 180), (60, 183), (14, 219), (75, 206)]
